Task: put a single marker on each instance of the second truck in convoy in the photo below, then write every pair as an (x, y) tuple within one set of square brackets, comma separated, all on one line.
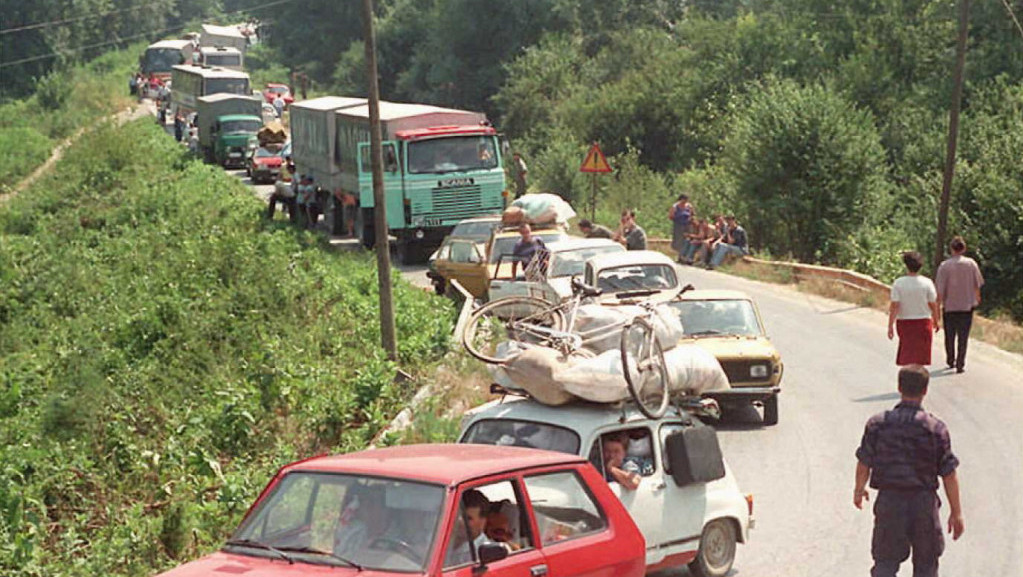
[(440, 166)]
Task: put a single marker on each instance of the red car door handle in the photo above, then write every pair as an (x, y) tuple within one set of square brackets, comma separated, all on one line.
[(538, 570)]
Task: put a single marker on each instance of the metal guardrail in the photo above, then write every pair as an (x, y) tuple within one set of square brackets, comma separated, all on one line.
[(802, 271), (468, 302)]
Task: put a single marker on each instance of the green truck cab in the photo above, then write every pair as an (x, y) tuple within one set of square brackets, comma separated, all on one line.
[(441, 166), (228, 124)]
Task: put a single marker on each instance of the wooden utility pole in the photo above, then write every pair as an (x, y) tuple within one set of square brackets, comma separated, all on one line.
[(953, 131), (387, 330)]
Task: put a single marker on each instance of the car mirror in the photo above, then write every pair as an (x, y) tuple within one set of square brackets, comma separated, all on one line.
[(490, 552)]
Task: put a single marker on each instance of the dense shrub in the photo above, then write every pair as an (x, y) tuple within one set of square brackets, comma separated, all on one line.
[(808, 169), (24, 149), (162, 350)]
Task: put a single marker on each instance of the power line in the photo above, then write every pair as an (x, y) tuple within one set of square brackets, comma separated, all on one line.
[(38, 25), (1013, 16), (56, 53)]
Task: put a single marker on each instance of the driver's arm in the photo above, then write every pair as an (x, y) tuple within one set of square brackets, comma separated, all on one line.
[(624, 478)]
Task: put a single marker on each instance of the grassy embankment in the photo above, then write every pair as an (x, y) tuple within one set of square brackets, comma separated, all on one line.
[(163, 350), (63, 103)]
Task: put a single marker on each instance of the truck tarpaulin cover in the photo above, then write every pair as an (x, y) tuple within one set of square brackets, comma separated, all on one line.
[(272, 133)]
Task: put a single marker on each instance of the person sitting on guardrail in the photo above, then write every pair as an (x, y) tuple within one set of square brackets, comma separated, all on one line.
[(734, 243)]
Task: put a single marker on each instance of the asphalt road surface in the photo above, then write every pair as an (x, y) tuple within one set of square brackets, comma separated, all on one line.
[(839, 370)]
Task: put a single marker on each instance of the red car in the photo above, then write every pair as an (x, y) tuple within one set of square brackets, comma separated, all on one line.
[(273, 89), (436, 510), (264, 166)]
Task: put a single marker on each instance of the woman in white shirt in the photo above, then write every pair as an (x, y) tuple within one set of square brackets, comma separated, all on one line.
[(913, 313)]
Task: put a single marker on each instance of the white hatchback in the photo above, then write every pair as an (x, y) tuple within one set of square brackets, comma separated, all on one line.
[(567, 259), (687, 515)]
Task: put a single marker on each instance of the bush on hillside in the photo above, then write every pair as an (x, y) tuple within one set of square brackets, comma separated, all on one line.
[(24, 149), (808, 169), (163, 350)]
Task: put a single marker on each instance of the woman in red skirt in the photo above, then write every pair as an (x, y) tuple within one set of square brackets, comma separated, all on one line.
[(913, 313)]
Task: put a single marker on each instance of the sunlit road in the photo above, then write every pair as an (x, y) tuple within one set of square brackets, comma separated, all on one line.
[(839, 370)]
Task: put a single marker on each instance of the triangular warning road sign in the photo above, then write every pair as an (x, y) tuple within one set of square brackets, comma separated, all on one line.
[(595, 161)]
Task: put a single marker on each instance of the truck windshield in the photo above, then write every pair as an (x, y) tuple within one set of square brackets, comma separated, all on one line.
[(227, 85), (452, 154), (335, 519), (240, 126), (161, 60), (514, 433)]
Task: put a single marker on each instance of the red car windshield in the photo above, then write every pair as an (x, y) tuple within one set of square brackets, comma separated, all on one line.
[(334, 518)]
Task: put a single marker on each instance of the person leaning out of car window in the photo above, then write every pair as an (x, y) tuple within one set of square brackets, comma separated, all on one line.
[(618, 469)]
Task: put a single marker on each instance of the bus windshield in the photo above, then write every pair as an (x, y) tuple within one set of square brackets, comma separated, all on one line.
[(228, 85), (161, 60), (452, 154)]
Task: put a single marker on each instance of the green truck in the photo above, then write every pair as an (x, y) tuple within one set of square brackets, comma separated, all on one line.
[(440, 166), (228, 124)]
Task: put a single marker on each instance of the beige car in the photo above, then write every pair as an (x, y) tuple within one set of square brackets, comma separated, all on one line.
[(729, 326), (475, 264)]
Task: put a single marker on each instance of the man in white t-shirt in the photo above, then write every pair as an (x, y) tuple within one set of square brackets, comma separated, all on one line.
[(914, 312)]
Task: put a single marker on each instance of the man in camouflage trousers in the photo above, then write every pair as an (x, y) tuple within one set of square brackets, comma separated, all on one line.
[(903, 452)]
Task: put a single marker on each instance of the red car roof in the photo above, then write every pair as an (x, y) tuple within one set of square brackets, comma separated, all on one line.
[(442, 464), (416, 133)]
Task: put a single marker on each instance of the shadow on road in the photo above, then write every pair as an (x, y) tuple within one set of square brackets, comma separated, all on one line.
[(740, 419), (880, 397)]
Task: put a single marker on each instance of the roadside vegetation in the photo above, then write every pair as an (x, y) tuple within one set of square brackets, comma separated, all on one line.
[(163, 349), (64, 101)]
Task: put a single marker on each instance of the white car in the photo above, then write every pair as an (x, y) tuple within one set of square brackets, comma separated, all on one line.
[(632, 274), (568, 259), (688, 504)]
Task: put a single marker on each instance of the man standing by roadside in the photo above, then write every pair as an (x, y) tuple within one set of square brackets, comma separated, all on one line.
[(903, 452), (519, 171), (958, 282), (629, 233)]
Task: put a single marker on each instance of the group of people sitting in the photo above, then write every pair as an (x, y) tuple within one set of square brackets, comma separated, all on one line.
[(705, 240)]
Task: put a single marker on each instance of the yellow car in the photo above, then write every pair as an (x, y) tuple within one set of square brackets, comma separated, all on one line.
[(729, 326), (474, 264)]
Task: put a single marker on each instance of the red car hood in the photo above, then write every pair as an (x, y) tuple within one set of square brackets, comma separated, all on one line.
[(222, 564)]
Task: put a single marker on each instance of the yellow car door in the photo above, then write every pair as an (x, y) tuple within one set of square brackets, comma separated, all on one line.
[(465, 263)]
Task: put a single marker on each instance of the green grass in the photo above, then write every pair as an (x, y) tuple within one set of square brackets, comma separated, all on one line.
[(163, 349), (64, 102)]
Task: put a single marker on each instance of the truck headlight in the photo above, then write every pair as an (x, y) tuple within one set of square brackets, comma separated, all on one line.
[(758, 371)]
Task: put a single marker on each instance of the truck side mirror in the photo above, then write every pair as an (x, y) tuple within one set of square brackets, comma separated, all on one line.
[(490, 552), (694, 455)]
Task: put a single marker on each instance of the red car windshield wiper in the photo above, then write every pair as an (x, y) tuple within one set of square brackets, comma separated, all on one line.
[(257, 545)]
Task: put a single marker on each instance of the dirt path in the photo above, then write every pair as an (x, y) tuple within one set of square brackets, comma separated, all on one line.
[(144, 108)]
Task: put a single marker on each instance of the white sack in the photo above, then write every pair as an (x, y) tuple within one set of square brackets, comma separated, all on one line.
[(599, 379), (544, 208), (667, 326), (533, 370), (694, 371), (606, 322)]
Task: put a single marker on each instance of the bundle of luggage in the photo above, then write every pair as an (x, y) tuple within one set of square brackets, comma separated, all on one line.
[(594, 373), (272, 133), (540, 209)]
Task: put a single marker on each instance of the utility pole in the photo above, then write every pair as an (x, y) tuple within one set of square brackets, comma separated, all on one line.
[(953, 131), (387, 330)]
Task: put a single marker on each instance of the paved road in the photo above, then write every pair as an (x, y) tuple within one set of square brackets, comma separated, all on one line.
[(839, 370)]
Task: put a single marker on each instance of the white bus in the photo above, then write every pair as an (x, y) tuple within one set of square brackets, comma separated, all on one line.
[(161, 57), (221, 57), (191, 82)]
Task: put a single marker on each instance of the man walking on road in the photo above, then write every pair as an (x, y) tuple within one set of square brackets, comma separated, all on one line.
[(903, 452), (958, 283)]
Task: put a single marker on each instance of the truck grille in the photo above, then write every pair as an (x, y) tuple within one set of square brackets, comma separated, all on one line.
[(457, 203), (738, 371)]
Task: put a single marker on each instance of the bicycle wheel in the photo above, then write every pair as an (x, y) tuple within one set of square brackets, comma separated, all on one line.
[(511, 319), (644, 368)]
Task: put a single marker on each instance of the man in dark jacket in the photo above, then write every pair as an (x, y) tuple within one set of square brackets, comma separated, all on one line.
[(903, 452)]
